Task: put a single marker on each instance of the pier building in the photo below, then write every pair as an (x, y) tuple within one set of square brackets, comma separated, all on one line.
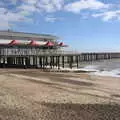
[(30, 50)]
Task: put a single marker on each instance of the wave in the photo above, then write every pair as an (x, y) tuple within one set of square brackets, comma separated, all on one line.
[(90, 68), (96, 70), (112, 73)]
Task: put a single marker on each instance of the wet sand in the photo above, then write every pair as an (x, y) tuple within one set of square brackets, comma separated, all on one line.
[(36, 95)]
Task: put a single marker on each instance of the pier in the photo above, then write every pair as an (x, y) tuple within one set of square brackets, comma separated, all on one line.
[(30, 50), (42, 60)]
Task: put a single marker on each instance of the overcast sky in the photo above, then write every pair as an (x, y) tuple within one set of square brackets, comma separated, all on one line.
[(86, 25)]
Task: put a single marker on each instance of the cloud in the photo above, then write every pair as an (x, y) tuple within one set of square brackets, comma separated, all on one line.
[(23, 9), (77, 6), (7, 17), (4, 25), (42, 5), (109, 15), (14, 11), (52, 19), (14, 2), (28, 8)]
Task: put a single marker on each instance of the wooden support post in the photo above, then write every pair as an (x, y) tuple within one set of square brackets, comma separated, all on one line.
[(58, 62), (34, 61), (14, 60), (4, 62), (22, 61), (77, 61), (18, 61), (46, 61), (40, 61), (68, 59), (70, 63), (43, 62), (96, 57), (36, 65), (0, 61), (30, 61), (87, 57), (50, 62), (63, 61), (25, 62), (84, 58), (53, 61), (29, 64)]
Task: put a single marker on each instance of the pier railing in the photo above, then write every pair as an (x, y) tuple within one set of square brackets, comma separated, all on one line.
[(32, 51), (56, 52)]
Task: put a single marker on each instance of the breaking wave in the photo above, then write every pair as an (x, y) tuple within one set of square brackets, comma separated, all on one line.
[(90, 68), (97, 70), (112, 73)]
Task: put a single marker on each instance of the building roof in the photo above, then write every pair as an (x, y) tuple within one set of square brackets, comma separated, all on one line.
[(33, 43), (13, 42), (49, 44), (28, 35), (62, 45)]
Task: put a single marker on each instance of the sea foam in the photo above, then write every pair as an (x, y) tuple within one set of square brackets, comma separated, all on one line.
[(90, 68), (96, 70), (112, 73)]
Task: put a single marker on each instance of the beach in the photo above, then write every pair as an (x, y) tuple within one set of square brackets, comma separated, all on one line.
[(32, 94)]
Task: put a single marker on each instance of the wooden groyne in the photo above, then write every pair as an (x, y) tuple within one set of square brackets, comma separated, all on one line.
[(53, 60)]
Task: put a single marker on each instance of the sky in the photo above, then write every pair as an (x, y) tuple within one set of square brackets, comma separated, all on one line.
[(84, 25)]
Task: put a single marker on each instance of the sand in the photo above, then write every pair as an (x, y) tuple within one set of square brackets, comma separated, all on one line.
[(35, 95)]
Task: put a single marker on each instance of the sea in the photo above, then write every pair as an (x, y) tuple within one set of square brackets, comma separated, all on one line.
[(102, 67)]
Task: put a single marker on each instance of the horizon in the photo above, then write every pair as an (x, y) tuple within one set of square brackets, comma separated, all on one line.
[(84, 25)]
